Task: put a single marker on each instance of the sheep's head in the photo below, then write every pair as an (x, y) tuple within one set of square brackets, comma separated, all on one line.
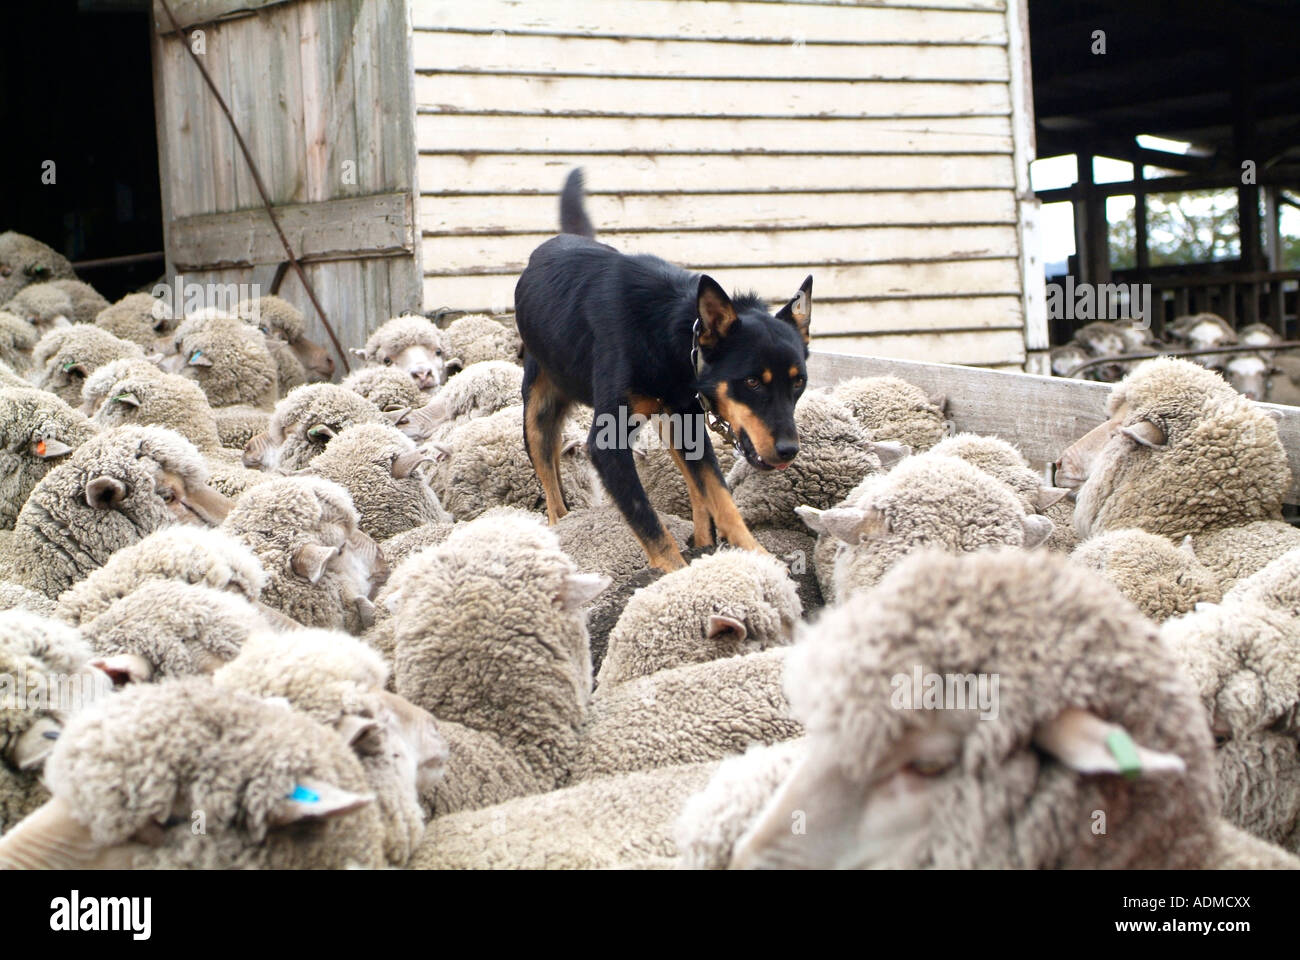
[(37, 430), (140, 318), (304, 422), (939, 735), (413, 344), (160, 398), (225, 357), (65, 357), (1182, 452), (480, 390), (43, 305), (1248, 373), (25, 261), (279, 320)]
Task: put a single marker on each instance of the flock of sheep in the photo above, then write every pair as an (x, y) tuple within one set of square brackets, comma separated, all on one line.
[(325, 625), (1254, 370)]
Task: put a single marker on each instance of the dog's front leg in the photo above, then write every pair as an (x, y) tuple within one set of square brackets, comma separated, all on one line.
[(699, 465), (616, 466)]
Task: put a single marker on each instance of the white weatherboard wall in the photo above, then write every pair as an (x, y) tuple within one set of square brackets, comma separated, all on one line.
[(872, 145)]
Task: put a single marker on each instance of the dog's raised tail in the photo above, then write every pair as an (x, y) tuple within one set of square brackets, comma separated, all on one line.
[(573, 214)]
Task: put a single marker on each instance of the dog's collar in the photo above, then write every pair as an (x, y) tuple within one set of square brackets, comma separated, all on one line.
[(715, 422)]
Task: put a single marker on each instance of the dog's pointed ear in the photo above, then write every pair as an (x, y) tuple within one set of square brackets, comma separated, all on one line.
[(715, 310), (799, 310)]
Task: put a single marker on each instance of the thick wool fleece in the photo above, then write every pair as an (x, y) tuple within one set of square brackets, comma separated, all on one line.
[(703, 711), (182, 630), (8, 378), (388, 388), (86, 300), (278, 518), (97, 387), (927, 500), (241, 369), (17, 340), (195, 555), (489, 467), (187, 746), (397, 549), (491, 635), (274, 315), (60, 538), (662, 480), (667, 624), (66, 356), (238, 424), (835, 453), (163, 399), (1002, 796), (139, 317), (599, 540), (364, 460), (1063, 538), (16, 597), (1161, 579), (41, 304), (309, 407), (34, 426), (999, 459), (1244, 658), (1222, 464), (400, 333), (476, 337), (332, 678), (893, 409), (25, 260), (1233, 553), (481, 389), (35, 651), (610, 822)]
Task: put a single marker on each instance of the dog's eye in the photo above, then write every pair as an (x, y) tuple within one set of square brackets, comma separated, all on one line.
[(752, 383)]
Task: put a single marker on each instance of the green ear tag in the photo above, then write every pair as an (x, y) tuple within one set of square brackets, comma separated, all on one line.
[(69, 365), (1124, 750)]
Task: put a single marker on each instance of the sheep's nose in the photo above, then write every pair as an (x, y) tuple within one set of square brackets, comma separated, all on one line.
[(787, 450), (423, 377), (328, 366)]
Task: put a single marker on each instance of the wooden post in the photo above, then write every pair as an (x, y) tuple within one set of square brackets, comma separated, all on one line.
[(1244, 143), (1141, 242), (1273, 252)]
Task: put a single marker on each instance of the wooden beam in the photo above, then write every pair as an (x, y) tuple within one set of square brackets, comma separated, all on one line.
[(192, 13), (351, 228), (1042, 416)]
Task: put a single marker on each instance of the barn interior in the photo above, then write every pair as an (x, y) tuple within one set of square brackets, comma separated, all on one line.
[(1220, 76)]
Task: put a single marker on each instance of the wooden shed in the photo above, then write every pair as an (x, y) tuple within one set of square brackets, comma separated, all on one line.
[(414, 148)]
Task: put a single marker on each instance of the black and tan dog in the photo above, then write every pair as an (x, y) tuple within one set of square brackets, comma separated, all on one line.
[(635, 335)]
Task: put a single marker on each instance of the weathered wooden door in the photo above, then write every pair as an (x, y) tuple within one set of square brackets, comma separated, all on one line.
[(322, 92)]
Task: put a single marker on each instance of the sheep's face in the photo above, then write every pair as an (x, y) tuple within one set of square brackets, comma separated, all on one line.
[(426, 363), (41, 436), (190, 502), (64, 377), (1248, 373), (346, 553), (417, 745)]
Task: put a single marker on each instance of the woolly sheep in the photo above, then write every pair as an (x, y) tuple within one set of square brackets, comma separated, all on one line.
[(25, 260), (380, 469), (87, 302), (97, 387), (205, 556), (1233, 553), (17, 340), (166, 628), (893, 409), (285, 328), (239, 424), (481, 389), (722, 605), (692, 713), (413, 344), (475, 338), (8, 378), (928, 500), (64, 358), (995, 781), (484, 464), (37, 430), (43, 305), (276, 789), (491, 638), (609, 822), (164, 399), (1004, 462), (44, 677), (13, 596), (227, 358), (114, 490), (321, 568), (139, 317), (339, 682), (385, 387), (835, 453), (1103, 339), (1162, 580), (397, 549), (304, 422)]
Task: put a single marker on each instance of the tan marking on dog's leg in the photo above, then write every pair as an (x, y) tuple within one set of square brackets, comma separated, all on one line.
[(664, 553), (546, 463), (731, 525), (700, 515)]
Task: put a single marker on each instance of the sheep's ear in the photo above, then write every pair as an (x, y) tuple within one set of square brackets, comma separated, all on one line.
[(715, 311), (395, 415), (1047, 496), (1145, 433), (199, 359), (316, 800), (580, 589), (49, 838), (104, 493), (1188, 547), (441, 451), (726, 627), (124, 668), (48, 449), (853, 525), (309, 561), (35, 744), (130, 399), (360, 353), (1038, 529), (570, 446), (890, 453), (365, 612), (453, 366), (321, 433), (352, 727), (940, 400), (1087, 744), (404, 464), (799, 310)]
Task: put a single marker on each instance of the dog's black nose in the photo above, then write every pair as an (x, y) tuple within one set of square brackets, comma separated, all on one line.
[(787, 450)]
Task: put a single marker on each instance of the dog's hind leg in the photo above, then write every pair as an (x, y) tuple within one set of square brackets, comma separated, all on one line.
[(544, 410)]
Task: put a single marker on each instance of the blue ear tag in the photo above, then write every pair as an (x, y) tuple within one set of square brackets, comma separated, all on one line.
[(195, 355), (302, 795), (1122, 748)]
